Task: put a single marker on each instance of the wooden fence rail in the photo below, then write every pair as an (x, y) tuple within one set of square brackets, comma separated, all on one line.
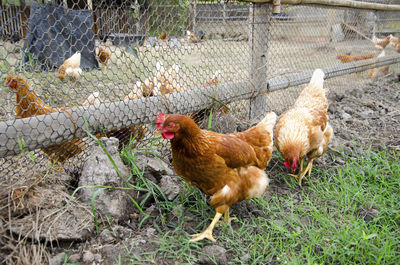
[(336, 3), (120, 114)]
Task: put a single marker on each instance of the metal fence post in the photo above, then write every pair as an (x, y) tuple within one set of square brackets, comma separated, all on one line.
[(259, 16)]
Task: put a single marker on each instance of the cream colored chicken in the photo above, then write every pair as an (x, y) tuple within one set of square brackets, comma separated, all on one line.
[(303, 131), (71, 68)]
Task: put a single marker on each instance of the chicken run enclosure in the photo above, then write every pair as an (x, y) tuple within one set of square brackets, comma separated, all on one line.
[(241, 60)]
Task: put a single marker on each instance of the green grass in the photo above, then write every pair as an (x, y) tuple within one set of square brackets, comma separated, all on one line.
[(345, 215)]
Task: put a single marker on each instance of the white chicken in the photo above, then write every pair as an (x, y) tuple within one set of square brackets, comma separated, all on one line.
[(71, 68)]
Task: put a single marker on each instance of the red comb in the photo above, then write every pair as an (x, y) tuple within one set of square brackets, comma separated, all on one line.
[(160, 119)]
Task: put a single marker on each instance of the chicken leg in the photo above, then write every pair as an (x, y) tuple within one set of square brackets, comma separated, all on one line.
[(208, 232), (228, 219), (302, 173)]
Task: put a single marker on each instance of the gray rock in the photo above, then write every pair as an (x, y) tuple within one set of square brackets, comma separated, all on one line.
[(153, 165), (110, 252), (57, 259), (213, 253), (99, 171), (74, 258), (87, 257), (97, 257), (150, 232), (348, 110), (123, 232), (345, 116), (367, 114), (73, 223), (171, 186), (106, 236)]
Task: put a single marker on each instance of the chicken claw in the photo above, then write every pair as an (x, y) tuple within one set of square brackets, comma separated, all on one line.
[(299, 176), (208, 232), (205, 234)]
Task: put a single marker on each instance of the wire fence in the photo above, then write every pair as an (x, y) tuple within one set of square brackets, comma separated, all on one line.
[(110, 68)]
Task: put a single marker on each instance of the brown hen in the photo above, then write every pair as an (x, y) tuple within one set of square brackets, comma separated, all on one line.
[(228, 167)]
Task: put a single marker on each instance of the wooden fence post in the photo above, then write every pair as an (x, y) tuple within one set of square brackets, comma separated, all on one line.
[(224, 12), (259, 16), (192, 16)]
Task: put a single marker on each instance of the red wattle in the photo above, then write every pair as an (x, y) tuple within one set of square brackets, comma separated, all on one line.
[(168, 135)]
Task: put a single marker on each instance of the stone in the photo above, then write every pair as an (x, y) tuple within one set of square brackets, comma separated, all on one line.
[(153, 165), (74, 258), (213, 253), (87, 257), (57, 259), (99, 171), (171, 186)]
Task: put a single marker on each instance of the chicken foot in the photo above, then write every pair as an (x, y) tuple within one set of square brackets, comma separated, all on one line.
[(302, 173), (208, 232)]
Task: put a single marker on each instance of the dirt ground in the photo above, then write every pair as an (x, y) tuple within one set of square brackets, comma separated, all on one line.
[(365, 117)]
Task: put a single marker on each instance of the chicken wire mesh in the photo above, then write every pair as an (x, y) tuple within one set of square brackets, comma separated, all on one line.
[(134, 50)]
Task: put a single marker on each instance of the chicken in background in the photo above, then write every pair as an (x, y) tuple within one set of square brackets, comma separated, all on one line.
[(381, 43), (163, 36), (227, 167), (195, 37), (29, 104), (137, 91), (103, 56), (303, 131), (393, 40), (167, 81), (397, 45), (352, 58), (378, 72), (215, 80), (164, 82), (71, 68)]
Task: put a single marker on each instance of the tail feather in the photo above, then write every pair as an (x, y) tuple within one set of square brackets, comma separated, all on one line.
[(269, 121), (318, 78)]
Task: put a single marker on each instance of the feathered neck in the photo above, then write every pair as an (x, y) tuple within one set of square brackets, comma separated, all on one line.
[(190, 139)]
